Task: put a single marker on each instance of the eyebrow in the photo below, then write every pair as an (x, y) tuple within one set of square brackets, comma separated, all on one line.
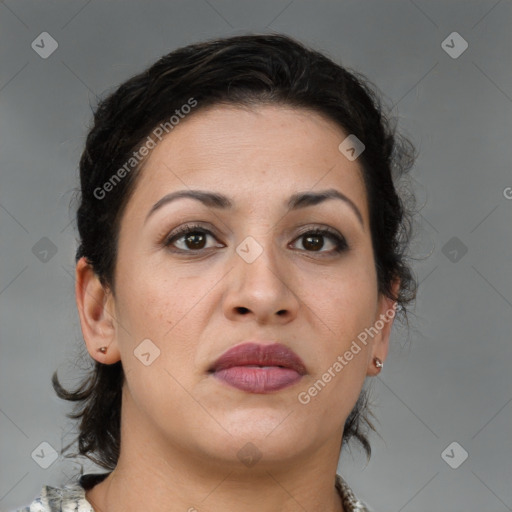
[(220, 201)]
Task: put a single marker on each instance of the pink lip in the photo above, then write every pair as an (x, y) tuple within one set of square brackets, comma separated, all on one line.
[(258, 368)]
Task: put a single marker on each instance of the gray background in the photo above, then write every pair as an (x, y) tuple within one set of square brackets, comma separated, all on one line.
[(448, 379)]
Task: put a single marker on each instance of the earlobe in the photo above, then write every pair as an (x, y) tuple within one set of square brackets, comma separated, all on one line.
[(385, 316), (95, 307)]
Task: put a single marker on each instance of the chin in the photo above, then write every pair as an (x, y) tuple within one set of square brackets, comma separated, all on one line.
[(249, 451), (274, 432)]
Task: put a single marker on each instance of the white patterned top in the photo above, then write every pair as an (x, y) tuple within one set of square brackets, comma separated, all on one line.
[(71, 497)]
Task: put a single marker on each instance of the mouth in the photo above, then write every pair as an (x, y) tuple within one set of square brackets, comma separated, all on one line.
[(257, 368)]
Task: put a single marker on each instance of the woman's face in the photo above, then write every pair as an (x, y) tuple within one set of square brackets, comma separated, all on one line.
[(250, 271)]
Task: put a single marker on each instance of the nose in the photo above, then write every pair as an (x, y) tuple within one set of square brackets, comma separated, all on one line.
[(261, 291)]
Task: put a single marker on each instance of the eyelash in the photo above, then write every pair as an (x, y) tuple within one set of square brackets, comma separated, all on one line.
[(338, 240)]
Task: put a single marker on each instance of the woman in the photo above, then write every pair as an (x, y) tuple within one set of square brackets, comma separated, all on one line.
[(241, 259)]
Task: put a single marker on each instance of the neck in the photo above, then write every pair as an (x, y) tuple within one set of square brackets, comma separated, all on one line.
[(154, 474)]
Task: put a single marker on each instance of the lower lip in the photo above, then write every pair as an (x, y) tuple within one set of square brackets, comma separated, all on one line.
[(258, 379)]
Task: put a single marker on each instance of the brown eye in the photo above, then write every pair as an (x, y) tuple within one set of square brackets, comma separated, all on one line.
[(190, 239), (315, 241), (195, 240)]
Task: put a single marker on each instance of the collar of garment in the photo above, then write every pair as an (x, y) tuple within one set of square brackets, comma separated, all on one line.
[(72, 497)]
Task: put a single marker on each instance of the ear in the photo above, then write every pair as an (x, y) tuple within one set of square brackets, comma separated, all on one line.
[(95, 308), (386, 312)]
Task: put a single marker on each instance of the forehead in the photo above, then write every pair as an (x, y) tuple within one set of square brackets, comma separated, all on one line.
[(241, 152)]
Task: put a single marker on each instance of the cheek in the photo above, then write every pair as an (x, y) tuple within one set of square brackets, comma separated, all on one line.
[(169, 310), (345, 299), (346, 304), (161, 311), (154, 302), (346, 307)]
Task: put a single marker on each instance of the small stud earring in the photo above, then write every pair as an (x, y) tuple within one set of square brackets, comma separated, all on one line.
[(378, 362), (103, 350)]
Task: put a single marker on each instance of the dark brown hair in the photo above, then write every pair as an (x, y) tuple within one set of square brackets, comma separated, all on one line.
[(244, 70)]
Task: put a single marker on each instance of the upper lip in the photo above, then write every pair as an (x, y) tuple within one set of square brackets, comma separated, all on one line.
[(259, 354)]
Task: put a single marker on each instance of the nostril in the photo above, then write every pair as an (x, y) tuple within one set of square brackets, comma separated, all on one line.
[(242, 310)]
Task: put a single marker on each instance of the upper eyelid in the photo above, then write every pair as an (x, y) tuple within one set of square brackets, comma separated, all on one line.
[(187, 227)]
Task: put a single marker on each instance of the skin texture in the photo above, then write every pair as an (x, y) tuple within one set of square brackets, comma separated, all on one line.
[(182, 429)]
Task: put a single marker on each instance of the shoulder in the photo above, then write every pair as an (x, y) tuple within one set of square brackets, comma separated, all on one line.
[(57, 499), (350, 502)]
